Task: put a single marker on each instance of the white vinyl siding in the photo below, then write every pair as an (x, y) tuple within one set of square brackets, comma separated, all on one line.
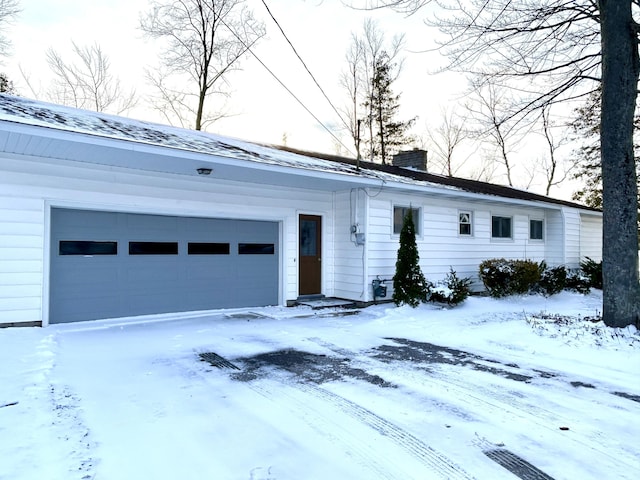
[(441, 247), (21, 259), (591, 237), (349, 263)]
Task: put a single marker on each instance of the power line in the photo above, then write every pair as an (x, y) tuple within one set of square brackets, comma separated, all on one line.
[(248, 48), (305, 65)]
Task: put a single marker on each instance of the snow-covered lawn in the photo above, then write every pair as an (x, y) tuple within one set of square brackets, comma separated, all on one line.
[(386, 393)]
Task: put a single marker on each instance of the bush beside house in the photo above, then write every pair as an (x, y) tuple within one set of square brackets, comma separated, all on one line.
[(503, 277)]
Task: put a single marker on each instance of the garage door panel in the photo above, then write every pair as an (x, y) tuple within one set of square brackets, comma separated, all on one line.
[(124, 284)]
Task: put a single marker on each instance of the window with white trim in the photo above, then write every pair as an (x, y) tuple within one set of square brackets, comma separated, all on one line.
[(536, 230), (399, 213), (464, 224), (501, 227)]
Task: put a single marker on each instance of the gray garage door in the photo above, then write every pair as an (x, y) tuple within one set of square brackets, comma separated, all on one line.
[(108, 264)]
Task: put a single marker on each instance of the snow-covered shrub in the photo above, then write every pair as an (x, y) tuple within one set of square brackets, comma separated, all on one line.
[(553, 280), (452, 290), (503, 277), (592, 270), (578, 282), (496, 274)]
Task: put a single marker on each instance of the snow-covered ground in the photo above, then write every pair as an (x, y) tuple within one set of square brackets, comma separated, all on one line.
[(387, 393)]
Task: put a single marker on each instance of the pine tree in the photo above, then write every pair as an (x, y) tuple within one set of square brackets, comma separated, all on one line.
[(586, 127), (409, 284), (387, 134), (6, 85)]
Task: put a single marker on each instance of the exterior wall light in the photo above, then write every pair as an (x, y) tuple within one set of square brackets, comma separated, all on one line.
[(204, 171)]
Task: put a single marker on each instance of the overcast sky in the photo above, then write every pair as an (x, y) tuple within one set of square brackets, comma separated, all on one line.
[(264, 111)]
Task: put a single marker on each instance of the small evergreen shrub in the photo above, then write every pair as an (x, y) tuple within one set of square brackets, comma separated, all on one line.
[(496, 274), (503, 277), (452, 290), (525, 276), (409, 284), (552, 280), (592, 270), (578, 282)]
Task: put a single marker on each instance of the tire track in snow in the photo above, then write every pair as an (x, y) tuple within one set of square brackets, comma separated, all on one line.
[(499, 403), (303, 410), (490, 400), (300, 409), (436, 461)]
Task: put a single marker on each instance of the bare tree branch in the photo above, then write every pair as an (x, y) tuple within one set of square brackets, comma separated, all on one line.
[(204, 41), (88, 82)]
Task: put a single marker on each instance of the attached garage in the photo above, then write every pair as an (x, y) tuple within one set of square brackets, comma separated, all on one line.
[(114, 264)]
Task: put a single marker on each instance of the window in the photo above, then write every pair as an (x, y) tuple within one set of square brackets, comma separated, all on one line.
[(398, 218), (195, 248), (464, 223), (87, 247), (500, 227), (256, 249), (153, 248), (536, 230)]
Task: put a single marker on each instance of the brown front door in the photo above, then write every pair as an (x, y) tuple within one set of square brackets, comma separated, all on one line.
[(310, 254)]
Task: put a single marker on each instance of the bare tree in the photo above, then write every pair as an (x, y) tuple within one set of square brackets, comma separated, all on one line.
[(446, 139), (354, 84), (491, 110), (555, 170), (87, 82), (8, 11), (205, 41), (364, 53), (556, 50)]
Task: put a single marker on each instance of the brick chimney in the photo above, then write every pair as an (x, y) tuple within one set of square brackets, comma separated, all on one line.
[(415, 158)]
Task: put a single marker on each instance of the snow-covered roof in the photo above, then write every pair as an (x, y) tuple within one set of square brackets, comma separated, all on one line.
[(97, 125)]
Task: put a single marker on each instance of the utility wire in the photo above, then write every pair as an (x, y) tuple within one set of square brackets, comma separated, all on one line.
[(248, 48), (305, 66)]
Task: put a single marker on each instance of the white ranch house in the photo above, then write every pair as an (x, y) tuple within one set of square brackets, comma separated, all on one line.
[(108, 217)]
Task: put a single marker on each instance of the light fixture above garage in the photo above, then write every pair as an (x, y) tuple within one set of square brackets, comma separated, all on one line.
[(204, 171)]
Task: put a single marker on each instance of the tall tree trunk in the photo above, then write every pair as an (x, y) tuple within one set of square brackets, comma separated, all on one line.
[(620, 69)]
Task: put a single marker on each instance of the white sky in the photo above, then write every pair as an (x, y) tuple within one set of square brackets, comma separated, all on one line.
[(319, 29)]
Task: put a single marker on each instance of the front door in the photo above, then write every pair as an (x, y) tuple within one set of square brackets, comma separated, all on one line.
[(310, 255)]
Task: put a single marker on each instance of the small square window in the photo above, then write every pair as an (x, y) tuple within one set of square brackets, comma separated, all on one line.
[(398, 218), (500, 227), (464, 223), (536, 229)]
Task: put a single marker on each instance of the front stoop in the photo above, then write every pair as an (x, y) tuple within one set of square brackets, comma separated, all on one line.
[(317, 302)]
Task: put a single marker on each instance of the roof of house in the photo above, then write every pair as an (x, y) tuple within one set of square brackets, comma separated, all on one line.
[(17, 110)]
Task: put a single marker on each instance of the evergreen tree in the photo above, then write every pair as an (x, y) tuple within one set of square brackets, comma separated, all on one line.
[(387, 133), (6, 85), (587, 127), (409, 284)]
